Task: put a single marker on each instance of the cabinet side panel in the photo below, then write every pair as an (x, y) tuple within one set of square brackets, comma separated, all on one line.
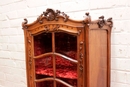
[(98, 58)]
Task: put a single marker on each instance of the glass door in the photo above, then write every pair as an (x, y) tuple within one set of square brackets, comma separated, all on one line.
[(43, 60), (55, 56)]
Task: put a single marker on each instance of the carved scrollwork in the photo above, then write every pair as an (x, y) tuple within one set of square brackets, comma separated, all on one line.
[(81, 56), (56, 28), (46, 29), (29, 42), (51, 15), (65, 16), (110, 21), (51, 28), (24, 23), (40, 19), (101, 22)]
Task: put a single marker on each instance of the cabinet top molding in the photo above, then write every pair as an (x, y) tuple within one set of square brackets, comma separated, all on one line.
[(52, 15)]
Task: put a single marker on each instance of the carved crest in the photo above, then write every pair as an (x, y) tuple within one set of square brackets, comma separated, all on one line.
[(51, 15)]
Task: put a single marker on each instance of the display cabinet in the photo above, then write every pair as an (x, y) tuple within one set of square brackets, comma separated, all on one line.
[(61, 52)]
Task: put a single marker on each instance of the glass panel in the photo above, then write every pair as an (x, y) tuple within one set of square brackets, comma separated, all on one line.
[(45, 84), (42, 43), (41, 76), (66, 70), (60, 85), (72, 82), (66, 44), (44, 67)]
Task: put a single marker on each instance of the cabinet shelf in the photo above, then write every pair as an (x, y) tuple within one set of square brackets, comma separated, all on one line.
[(67, 73)]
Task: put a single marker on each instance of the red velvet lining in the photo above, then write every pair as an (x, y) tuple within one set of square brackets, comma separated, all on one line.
[(50, 83), (65, 69)]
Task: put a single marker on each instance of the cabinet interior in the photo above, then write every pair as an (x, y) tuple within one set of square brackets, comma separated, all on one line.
[(58, 62)]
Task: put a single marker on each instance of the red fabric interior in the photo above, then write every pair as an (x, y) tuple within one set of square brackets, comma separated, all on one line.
[(72, 82), (65, 69)]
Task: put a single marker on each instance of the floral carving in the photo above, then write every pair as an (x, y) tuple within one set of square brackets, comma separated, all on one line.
[(46, 29), (51, 15), (101, 22), (54, 28), (29, 51), (81, 58)]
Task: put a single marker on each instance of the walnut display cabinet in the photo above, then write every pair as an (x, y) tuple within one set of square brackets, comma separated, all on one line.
[(61, 52)]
